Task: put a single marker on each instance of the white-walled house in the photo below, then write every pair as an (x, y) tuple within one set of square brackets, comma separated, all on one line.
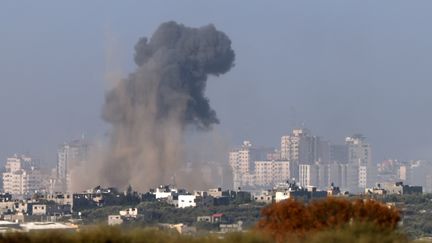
[(185, 201)]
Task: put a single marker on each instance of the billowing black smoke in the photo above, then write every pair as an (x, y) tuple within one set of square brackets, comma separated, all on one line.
[(181, 58), (150, 109)]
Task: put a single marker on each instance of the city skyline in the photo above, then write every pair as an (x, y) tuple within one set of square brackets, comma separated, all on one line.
[(337, 68)]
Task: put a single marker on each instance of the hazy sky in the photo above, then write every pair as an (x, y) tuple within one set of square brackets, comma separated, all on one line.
[(340, 67)]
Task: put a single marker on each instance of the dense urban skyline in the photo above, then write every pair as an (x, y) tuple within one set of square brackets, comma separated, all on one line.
[(339, 68)]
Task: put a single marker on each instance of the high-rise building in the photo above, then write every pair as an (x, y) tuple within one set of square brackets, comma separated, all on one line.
[(269, 173), (242, 163), (21, 176), (359, 152), (323, 176), (339, 153), (301, 147), (361, 171), (69, 155), (308, 175), (296, 147), (404, 173)]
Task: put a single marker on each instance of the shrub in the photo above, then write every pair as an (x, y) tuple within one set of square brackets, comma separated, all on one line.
[(291, 217)]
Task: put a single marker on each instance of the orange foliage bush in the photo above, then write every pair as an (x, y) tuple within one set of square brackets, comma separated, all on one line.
[(293, 217)]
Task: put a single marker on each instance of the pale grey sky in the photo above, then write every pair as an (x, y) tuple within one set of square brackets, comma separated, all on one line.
[(345, 67)]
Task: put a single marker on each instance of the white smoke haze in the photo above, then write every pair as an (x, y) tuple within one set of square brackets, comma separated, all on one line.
[(150, 110)]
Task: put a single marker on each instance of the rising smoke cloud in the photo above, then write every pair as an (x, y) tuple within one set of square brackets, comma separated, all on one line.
[(150, 109)]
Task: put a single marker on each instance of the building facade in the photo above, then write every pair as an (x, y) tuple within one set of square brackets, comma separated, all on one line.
[(69, 155), (270, 173), (21, 176)]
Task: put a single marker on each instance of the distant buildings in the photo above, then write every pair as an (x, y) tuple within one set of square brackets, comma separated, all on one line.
[(271, 172), (308, 175), (69, 155), (398, 188), (308, 159), (242, 163), (21, 177), (301, 147)]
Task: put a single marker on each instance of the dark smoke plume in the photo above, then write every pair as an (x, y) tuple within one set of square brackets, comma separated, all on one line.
[(151, 108)]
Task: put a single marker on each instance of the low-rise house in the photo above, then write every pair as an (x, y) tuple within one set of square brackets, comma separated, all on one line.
[(21, 206), (214, 218), (401, 189), (185, 201), (115, 219), (7, 207), (216, 192), (335, 191), (58, 210), (59, 198), (207, 219), (291, 190), (394, 188), (129, 213), (164, 191), (266, 197), (38, 209)]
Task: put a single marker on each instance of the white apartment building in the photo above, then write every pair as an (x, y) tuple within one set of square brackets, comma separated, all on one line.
[(270, 173), (360, 162), (362, 174), (163, 192), (185, 201), (295, 147), (242, 164), (308, 175), (303, 148), (359, 152), (21, 177)]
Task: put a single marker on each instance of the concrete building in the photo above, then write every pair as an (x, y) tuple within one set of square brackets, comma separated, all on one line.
[(266, 197), (115, 220), (301, 147), (69, 155), (359, 152), (342, 175), (323, 176), (270, 173), (164, 191), (404, 173), (129, 213), (397, 188), (21, 177), (362, 172), (185, 201), (296, 147), (401, 189), (39, 209), (289, 190), (308, 175), (339, 153), (242, 164)]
